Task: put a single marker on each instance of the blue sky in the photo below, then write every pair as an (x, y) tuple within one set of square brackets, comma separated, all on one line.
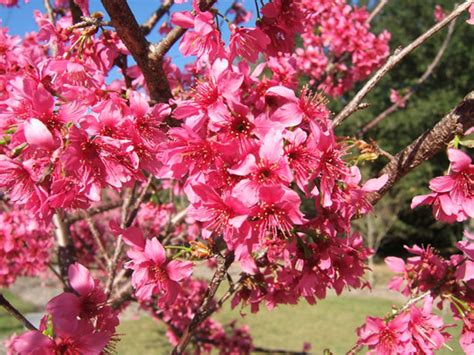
[(19, 19)]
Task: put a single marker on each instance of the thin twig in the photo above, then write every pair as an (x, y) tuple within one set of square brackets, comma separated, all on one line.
[(50, 10), (97, 238), (429, 70), (93, 211), (381, 4), (57, 274), (15, 313), (459, 120), (127, 220), (149, 24), (205, 309), (394, 59)]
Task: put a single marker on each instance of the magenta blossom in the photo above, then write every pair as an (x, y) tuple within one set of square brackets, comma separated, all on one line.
[(452, 198), (153, 274)]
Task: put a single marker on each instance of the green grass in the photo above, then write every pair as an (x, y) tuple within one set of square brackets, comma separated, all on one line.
[(329, 324), (8, 324), (144, 337)]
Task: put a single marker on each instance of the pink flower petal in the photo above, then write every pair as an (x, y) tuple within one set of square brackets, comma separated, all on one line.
[(155, 250), (80, 279), (179, 270)]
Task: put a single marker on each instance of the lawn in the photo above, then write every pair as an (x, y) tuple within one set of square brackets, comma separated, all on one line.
[(329, 324)]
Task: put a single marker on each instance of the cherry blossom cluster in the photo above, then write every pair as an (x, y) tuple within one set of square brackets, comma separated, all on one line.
[(77, 322), (25, 246), (413, 330), (452, 196), (239, 164), (338, 48)]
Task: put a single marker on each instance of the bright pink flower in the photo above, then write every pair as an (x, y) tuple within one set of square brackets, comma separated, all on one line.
[(38, 135), (276, 212), (152, 273), (20, 180), (452, 198), (385, 337), (291, 110), (205, 40), (72, 337), (88, 304), (219, 214), (269, 167), (247, 42), (427, 329), (9, 3)]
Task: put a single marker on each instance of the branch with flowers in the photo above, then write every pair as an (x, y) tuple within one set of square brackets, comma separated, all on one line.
[(126, 186)]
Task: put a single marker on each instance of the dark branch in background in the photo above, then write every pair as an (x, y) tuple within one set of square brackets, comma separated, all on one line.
[(76, 12), (96, 235), (393, 60), (15, 313), (132, 36), (149, 24), (128, 217), (459, 120), (205, 309), (412, 90), (381, 4), (93, 211)]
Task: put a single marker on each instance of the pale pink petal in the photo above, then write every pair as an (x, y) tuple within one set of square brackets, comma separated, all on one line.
[(459, 160), (37, 134), (375, 184), (283, 92), (155, 250), (80, 279), (245, 167), (179, 270), (395, 264), (442, 183)]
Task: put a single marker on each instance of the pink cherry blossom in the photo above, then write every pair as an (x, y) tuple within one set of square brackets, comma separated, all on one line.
[(452, 198), (153, 274)]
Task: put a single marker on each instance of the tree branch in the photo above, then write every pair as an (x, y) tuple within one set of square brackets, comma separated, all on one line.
[(76, 12), (127, 220), (15, 313), (205, 309), (49, 10), (149, 24), (381, 4), (394, 59), (93, 211), (132, 36), (459, 120), (429, 70), (96, 236), (66, 250)]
